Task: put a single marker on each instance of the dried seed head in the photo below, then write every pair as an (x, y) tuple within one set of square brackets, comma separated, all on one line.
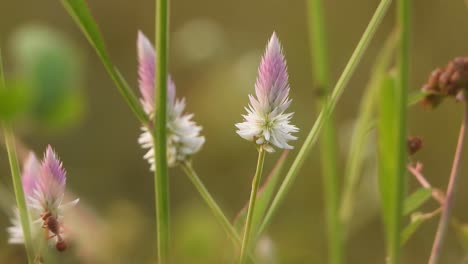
[(452, 80), (414, 144)]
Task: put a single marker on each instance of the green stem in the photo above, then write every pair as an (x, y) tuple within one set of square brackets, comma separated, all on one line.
[(159, 132), (19, 192), (192, 175), (16, 177), (253, 198), (326, 110), (318, 46)]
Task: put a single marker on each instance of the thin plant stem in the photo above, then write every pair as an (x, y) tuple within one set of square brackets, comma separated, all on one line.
[(450, 193), (205, 194), (403, 22), (326, 110), (250, 211), (438, 195), (16, 178), (159, 132), (19, 192), (319, 51)]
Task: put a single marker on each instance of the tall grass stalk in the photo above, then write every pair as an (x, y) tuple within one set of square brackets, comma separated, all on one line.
[(161, 185), (329, 159), (326, 110), (16, 178), (250, 211)]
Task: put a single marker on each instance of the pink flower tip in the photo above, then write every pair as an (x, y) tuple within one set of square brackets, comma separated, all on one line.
[(31, 168)]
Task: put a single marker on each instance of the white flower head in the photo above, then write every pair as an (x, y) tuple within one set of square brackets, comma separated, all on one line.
[(183, 134), (266, 122)]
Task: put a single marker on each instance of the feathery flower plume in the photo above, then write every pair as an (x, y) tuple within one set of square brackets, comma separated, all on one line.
[(266, 122), (44, 187), (183, 134)]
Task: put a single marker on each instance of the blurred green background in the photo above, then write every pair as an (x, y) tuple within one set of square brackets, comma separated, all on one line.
[(215, 49)]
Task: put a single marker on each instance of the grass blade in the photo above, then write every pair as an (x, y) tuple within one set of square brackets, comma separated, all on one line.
[(390, 181), (326, 110), (363, 125), (400, 109), (16, 178), (80, 13)]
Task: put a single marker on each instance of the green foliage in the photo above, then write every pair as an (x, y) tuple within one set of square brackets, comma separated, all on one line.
[(390, 176), (14, 100), (363, 125), (417, 220), (387, 149), (52, 69), (416, 199), (416, 97), (462, 233)]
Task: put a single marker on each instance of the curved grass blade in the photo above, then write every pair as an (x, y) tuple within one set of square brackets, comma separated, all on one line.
[(364, 123), (80, 13)]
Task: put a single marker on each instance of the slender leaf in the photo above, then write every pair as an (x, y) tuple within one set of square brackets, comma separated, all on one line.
[(363, 125), (416, 199), (409, 230), (416, 97), (79, 11), (387, 149)]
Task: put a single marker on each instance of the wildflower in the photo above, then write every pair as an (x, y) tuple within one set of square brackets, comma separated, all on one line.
[(266, 122), (44, 187), (183, 134)]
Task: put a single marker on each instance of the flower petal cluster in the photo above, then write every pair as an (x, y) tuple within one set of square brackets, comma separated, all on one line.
[(266, 122), (183, 134), (44, 187)]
